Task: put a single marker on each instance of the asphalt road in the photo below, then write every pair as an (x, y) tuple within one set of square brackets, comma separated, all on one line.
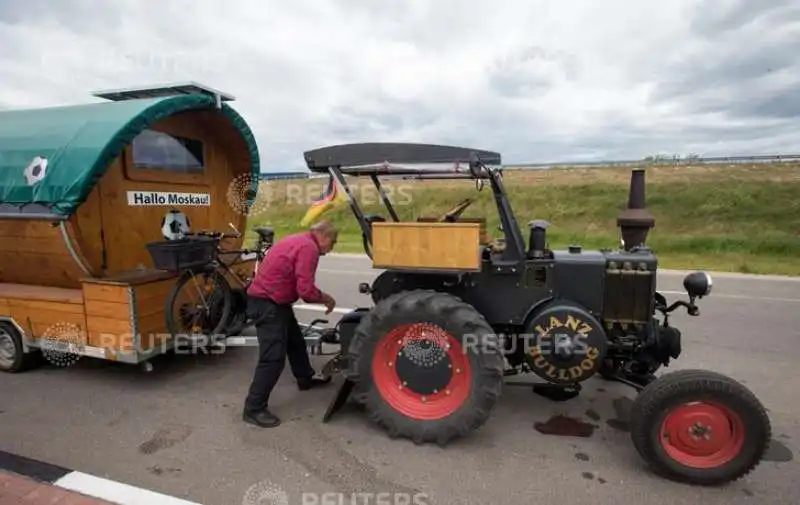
[(177, 430)]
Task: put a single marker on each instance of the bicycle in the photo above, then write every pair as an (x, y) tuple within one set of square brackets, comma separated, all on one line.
[(237, 318), (197, 256)]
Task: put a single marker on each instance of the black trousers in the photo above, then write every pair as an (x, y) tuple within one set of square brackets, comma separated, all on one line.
[(279, 335)]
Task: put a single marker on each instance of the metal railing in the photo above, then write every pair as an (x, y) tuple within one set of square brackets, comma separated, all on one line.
[(689, 160), (715, 160)]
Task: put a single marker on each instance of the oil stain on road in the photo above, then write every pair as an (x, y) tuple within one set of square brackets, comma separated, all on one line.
[(565, 426), (166, 437)]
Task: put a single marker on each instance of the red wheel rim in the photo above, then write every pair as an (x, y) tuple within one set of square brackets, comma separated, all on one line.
[(702, 435), (394, 387)]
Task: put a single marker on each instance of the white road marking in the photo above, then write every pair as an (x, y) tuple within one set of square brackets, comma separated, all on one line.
[(115, 492), (365, 273), (662, 271), (344, 310), (737, 297), (250, 341), (241, 341), (320, 308), (339, 271)]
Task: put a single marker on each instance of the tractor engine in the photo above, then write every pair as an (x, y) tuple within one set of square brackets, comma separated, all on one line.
[(604, 305), (601, 318)]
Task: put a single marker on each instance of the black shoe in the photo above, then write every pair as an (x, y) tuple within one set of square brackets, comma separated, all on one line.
[(306, 384), (263, 419)]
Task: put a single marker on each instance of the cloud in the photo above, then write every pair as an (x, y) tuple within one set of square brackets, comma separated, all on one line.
[(536, 80)]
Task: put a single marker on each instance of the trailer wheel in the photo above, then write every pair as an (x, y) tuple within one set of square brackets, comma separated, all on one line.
[(699, 427), (426, 365), (13, 358), (206, 312)]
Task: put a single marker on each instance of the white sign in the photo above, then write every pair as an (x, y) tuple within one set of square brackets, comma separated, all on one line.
[(157, 198)]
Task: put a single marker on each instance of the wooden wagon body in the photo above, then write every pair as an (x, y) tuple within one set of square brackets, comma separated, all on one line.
[(84, 188)]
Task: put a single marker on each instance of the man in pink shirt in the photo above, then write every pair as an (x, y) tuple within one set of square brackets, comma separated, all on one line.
[(287, 274)]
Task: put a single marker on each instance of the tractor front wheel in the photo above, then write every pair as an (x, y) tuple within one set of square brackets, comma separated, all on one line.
[(699, 427), (426, 365)]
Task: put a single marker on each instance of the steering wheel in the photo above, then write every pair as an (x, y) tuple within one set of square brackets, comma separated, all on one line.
[(453, 214)]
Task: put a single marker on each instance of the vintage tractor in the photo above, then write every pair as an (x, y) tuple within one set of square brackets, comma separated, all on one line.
[(455, 312)]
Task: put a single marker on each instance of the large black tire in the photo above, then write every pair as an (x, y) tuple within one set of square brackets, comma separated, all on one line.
[(222, 296), (661, 399), (13, 358), (475, 367)]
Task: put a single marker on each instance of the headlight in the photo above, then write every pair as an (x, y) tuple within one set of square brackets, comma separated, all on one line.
[(698, 284)]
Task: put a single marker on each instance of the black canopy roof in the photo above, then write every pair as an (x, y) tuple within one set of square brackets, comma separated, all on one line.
[(396, 158)]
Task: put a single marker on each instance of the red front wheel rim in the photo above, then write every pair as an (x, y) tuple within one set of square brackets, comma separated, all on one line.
[(422, 371), (702, 435)]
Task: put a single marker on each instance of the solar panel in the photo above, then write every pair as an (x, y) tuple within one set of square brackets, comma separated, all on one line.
[(163, 90)]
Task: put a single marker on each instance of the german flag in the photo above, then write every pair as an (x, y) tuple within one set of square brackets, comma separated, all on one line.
[(331, 197)]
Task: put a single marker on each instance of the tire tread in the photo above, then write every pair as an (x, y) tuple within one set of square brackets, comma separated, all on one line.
[(222, 284), (490, 368), (659, 394)]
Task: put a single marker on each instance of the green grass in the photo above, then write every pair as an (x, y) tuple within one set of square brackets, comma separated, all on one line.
[(736, 218)]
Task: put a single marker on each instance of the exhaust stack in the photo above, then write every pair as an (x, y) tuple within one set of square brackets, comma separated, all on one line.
[(635, 222)]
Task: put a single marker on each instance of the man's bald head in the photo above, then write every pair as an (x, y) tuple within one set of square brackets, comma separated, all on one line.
[(323, 228), (326, 233)]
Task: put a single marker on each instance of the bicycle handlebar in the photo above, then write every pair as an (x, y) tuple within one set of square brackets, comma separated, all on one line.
[(214, 234), (239, 251), (220, 235)]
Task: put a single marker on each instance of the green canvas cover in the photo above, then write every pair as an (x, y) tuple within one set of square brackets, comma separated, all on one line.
[(79, 143)]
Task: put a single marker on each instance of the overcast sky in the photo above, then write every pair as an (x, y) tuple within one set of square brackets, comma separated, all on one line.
[(536, 80)]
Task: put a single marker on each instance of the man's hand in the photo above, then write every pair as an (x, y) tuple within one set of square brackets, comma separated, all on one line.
[(329, 303)]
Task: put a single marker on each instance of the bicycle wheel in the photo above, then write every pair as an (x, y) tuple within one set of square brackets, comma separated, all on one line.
[(199, 303)]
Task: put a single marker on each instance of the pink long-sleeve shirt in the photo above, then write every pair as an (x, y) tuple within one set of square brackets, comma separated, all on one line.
[(288, 273)]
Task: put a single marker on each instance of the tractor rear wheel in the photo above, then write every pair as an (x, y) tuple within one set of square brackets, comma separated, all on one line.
[(426, 365), (699, 427)]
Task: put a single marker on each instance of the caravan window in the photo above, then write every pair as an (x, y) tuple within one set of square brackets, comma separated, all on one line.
[(155, 150)]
